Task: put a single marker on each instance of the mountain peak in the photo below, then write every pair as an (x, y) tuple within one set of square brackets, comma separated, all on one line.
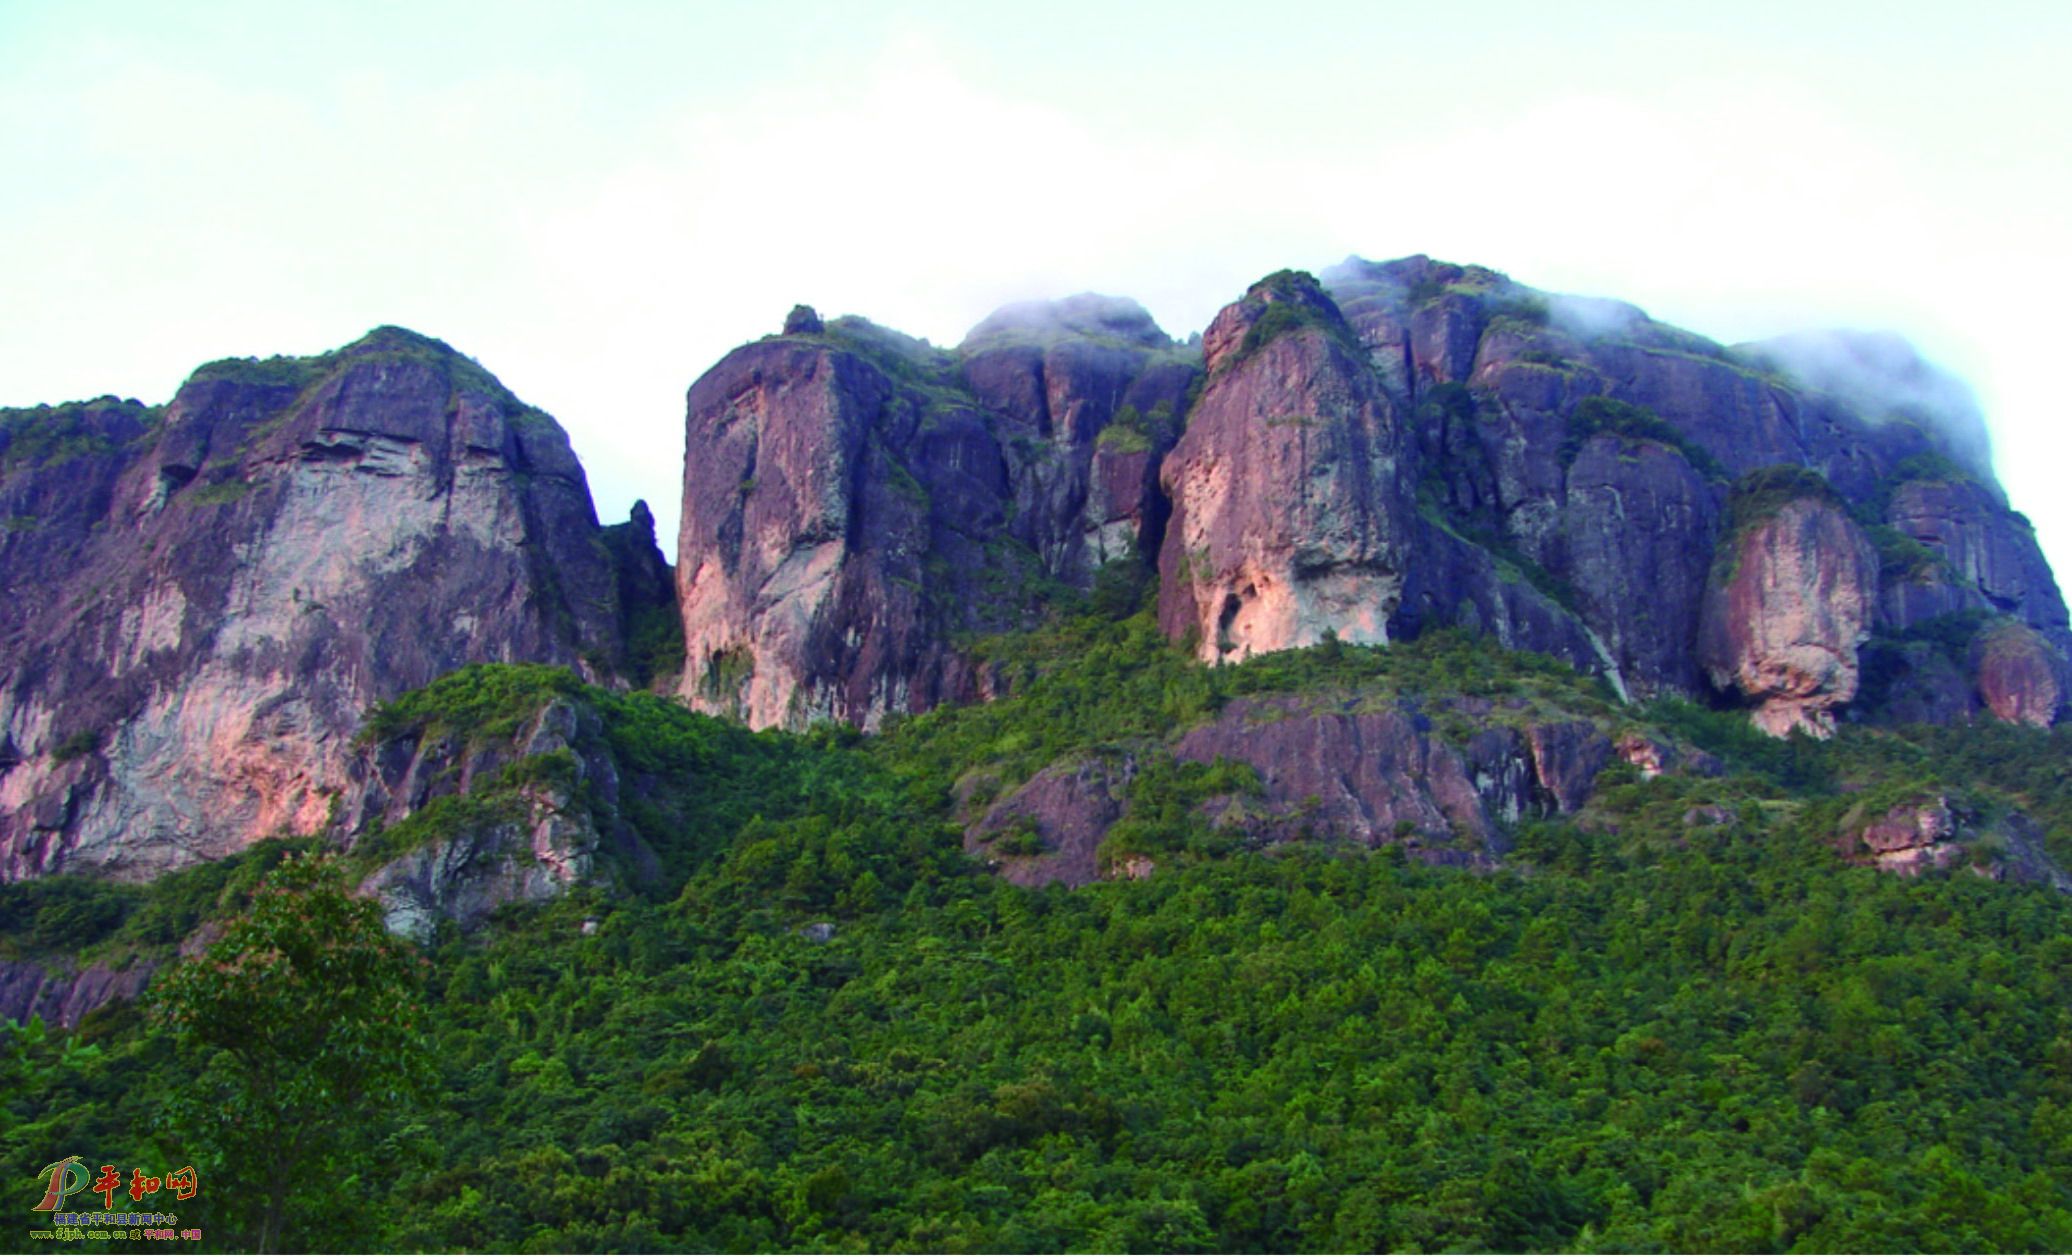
[(1086, 314)]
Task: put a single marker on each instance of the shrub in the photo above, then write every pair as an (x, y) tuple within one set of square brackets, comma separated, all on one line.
[(84, 742), (1597, 414)]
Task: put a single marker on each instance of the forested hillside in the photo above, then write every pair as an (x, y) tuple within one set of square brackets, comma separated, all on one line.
[(1685, 1013)]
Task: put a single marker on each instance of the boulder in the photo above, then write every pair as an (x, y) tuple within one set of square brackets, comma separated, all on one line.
[(2021, 675), (1783, 621)]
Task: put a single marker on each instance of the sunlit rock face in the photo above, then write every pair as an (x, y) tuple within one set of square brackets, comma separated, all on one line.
[(2021, 675), (1291, 517), (213, 595), (1784, 624), (1404, 446), (202, 600)]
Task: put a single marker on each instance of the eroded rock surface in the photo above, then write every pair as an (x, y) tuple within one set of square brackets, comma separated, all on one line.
[(1784, 623), (854, 499), (62, 993), (2021, 675), (525, 816), (1336, 768), (1406, 445), (1291, 513), (205, 601), (1050, 829), (1930, 833)]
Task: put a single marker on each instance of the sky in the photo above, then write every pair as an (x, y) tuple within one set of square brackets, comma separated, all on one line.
[(597, 202)]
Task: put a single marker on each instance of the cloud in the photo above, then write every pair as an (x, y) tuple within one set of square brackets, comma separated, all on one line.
[(598, 245), (1884, 378)]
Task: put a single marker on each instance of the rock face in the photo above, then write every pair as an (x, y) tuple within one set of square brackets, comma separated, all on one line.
[(1054, 823), (530, 815), (1883, 378), (1928, 834), (1784, 624), (653, 634), (853, 499), (2021, 676), (62, 995), (1603, 448), (1291, 515), (202, 602), (1910, 838), (1329, 767), (1987, 558), (1401, 446)]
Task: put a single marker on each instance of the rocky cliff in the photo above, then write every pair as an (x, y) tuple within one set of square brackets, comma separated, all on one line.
[(1398, 446), (854, 500), (461, 807), (1291, 515), (204, 599), (1783, 621)]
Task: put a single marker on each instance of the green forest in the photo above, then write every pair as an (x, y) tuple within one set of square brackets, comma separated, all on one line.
[(1677, 1019)]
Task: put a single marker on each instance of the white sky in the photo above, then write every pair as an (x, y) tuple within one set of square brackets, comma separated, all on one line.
[(598, 203)]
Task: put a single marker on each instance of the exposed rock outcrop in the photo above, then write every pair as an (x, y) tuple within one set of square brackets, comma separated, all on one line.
[(1931, 833), (201, 600), (1050, 829), (480, 818), (2021, 676), (1330, 768), (854, 499), (1784, 622), (204, 601), (1370, 777), (1910, 838), (1988, 558), (1291, 507), (1884, 379), (62, 993), (650, 627), (1406, 445)]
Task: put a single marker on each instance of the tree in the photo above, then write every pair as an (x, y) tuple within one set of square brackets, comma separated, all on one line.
[(299, 1024)]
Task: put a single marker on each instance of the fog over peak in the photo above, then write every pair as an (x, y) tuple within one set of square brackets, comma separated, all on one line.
[(1594, 318), (1085, 314), (1883, 377)]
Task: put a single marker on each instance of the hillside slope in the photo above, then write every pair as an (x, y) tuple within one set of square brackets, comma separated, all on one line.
[(1684, 1010)]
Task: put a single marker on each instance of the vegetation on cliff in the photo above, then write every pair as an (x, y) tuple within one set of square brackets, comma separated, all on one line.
[(1676, 1020), (1430, 945)]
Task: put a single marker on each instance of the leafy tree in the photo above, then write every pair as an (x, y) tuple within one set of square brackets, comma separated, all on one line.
[(300, 1021)]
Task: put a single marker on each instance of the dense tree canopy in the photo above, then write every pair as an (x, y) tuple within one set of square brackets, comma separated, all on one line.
[(1645, 1032)]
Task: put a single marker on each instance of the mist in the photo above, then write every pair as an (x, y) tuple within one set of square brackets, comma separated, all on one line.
[(1593, 318), (1884, 378)]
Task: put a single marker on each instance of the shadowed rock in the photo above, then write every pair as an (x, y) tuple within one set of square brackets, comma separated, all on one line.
[(544, 816), (853, 500), (63, 994), (1050, 829)]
